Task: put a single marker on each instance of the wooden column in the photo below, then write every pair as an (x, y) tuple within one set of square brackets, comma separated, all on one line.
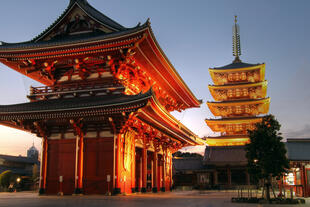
[(133, 168), (79, 150), (155, 173), (144, 169), (79, 156), (140, 173), (163, 188), (43, 167)]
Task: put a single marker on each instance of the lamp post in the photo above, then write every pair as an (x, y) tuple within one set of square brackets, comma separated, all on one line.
[(18, 181)]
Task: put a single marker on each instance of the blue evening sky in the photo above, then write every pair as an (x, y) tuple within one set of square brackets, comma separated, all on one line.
[(195, 35)]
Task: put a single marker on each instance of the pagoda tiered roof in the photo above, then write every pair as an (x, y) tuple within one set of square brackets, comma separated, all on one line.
[(238, 72), (240, 107), (239, 91), (233, 126), (236, 65)]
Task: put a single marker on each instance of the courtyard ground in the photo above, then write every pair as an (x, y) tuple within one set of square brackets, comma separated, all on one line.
[(169, 199)]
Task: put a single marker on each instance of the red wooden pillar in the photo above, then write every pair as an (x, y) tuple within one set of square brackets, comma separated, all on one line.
[(144, 169), (133, 167), (159, 172), (79, 150), (163, 188), (117, 184), (155, 174), (140, 172), (43, 170)]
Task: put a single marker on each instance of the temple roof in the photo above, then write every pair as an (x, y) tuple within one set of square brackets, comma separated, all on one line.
[(96, 34), (187, 163), (43, 108), (298, 149), (38, 41), (225, 155), (88, 9), (20, 159), (235, 65), (81, 38)]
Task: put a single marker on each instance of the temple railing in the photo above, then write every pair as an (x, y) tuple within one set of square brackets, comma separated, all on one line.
[(72, 90)]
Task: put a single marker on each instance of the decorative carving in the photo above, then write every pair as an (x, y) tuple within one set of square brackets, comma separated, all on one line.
[(136, 80)]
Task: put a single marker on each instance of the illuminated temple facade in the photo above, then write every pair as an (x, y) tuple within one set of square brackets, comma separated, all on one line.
[(103, 112), (239, 92)]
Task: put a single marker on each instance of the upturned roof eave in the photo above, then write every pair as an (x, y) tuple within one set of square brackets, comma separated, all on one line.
[(33, 46), (196, 102), (239, 65), (176, 128), (72, 104)]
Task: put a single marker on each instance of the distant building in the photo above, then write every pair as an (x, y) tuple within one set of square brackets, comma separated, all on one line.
[(25, 167), (222, 167), (227, 166), (189, 172), (298, 178), (20, 165), (33, 153)]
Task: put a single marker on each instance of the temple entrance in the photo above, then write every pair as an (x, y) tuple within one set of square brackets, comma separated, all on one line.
[(61, 161), (98, 165)]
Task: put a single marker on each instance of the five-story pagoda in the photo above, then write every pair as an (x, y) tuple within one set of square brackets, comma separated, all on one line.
[(239, 92)]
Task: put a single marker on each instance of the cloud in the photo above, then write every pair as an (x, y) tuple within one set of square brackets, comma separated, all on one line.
[(302, 133)]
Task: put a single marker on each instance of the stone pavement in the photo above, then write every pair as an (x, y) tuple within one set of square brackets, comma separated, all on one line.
[(173, 199)]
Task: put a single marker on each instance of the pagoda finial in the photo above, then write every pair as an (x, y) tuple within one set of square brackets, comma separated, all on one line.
[(236, 42)]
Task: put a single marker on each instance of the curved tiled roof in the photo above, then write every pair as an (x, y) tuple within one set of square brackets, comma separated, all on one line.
[(225, 155), (73, 103), (88, 37), (94, 13), (298, 149), (236, 65)]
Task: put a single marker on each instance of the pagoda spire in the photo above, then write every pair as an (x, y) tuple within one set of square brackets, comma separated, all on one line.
[(236, 42)]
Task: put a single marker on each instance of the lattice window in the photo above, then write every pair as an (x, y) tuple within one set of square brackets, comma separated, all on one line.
[(245, 92), (243, 76), (238, 110), (230, 93)]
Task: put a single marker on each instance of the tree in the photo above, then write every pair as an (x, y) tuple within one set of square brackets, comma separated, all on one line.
[(266, 153)]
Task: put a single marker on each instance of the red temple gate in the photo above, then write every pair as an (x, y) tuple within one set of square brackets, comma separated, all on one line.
[(104, 112)]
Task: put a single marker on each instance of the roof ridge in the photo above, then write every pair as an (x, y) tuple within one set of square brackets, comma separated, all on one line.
[(88, 9)]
